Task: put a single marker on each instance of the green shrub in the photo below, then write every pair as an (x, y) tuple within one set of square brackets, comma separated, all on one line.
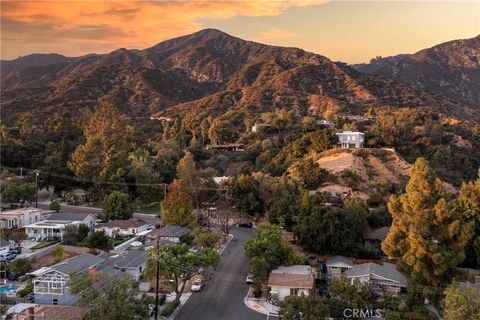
[(375, 200), (45, 244), (170, 308), (25, 291)]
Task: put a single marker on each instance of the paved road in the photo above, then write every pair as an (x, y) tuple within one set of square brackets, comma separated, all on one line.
[(148, 218), (222, 298)]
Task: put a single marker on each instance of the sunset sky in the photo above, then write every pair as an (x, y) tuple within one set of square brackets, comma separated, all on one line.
[(349, 31)]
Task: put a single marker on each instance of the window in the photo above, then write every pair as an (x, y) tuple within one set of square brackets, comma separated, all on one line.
[(55, 301), (294, 291)]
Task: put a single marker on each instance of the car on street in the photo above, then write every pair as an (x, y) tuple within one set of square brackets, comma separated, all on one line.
[(9, 256), (250, 279), (245, 224), (198, 285)]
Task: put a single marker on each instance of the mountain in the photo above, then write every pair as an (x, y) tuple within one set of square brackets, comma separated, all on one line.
[(207, 72), (451, 68)]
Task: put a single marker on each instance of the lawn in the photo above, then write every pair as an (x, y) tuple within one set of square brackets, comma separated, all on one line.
[(45, 244), (116, 242), (150, 208)]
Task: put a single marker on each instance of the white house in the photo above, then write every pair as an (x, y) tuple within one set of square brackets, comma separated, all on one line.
[(295, 280), (129, 227), (54, 226), (4, 246), (18, 218), (350, 139), (171, 233), (337, 265), (381, 278)]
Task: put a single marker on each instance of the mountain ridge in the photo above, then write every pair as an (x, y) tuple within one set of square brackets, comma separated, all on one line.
[(208, 70)]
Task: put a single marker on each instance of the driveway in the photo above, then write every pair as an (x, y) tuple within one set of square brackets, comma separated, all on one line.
[(222, 297)]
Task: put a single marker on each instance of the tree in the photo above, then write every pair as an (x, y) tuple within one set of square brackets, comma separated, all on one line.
[(355, 295), (20, 266), (104, 155), (117, 205), (148, 181), (98, 240), (177, 262), (73, 234), (462, 303), (110, 297), (305, 308), (19, 193), (177, 206), (203, 238), (307, 173), (268, 243), (427, 236), (54, 205)]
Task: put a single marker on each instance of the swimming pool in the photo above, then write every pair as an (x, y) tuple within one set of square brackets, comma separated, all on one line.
[(7, 288)]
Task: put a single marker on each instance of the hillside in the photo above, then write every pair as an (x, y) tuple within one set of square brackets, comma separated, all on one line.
[(451, 69), (205, 73)]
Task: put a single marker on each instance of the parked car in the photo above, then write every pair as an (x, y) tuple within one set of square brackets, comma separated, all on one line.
[(245, 224), (197, 285), (9, 256), (250, 279)]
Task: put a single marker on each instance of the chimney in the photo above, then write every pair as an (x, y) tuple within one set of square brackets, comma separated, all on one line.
[(93, 273), (477, 279)]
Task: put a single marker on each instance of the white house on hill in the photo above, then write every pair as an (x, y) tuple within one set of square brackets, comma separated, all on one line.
[(350, 139), (54, 226), (294, 280)]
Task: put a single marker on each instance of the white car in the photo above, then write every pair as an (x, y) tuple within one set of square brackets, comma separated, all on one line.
[(250, 279), (197, 285)]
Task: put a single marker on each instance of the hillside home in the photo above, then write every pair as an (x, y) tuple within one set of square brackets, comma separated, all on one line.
[(372, 238), (350, 139), (380, 278), (337, 265), (294, 280), (18, 218), (79, 196), (258, 127), (129, 227), (170, 233), (54, 226), (323, 122)]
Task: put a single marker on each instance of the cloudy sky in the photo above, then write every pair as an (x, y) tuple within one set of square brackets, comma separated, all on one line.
[(350, 31)]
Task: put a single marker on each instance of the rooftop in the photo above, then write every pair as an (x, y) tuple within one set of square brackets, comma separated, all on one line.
[(22, 211), (339, 260), (127, 259), (68, 216), (170, 231), (376, 234), (52, 312), (298, 276), (387, 270), (78, 264), (122, 224)]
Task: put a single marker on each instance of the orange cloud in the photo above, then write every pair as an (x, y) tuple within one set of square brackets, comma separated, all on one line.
[(79, 27)]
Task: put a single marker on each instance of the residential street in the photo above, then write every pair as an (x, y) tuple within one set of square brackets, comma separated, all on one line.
[(223, 298)]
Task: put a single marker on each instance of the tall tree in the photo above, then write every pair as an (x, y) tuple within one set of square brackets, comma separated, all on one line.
[(104, 155), (177, 262), (117, 205), (176, 209), (462, 303), (427, 236)]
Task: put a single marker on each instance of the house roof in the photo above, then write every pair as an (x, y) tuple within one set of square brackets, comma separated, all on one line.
[(128, 259), (79, 192), (297, 276), (464, 284), (52, 312), (22, 211), (339, 260), (78, 263), (376, 234), (122, 224), (4, 243), (68, 216), (170, 231), (387, 270)]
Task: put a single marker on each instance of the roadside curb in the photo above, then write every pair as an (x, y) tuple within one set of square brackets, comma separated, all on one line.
[(261, 309), (180, 306)]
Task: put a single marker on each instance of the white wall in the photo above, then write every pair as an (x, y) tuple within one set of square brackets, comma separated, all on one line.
[(283, 292)]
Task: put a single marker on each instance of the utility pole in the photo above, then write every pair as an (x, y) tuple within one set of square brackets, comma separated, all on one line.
[(36, 188), (158, 278)]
